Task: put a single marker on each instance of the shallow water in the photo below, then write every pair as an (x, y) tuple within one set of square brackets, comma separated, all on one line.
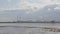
[(32, 24), (17, 28)]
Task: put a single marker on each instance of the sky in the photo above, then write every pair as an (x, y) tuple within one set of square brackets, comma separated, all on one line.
[(24, 4), (33, 5)]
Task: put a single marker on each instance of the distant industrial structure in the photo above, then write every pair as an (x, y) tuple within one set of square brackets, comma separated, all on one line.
[(30, 20)]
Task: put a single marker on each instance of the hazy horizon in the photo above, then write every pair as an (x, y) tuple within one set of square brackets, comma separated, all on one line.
[(29, 9)]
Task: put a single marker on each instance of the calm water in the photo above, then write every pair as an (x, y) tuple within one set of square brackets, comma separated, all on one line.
[(18, 30), (32, 24)]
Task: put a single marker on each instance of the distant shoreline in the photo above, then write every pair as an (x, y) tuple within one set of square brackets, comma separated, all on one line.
[(30, 22)]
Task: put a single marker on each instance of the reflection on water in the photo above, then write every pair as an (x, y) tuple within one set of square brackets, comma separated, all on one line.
[(32, 24)]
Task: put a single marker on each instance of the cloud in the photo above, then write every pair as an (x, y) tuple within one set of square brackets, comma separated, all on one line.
[(30, 6), (57, 8), (26, 4), (9, 0)]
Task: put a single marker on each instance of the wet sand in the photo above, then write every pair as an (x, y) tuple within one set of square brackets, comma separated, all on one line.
[(27, 30)]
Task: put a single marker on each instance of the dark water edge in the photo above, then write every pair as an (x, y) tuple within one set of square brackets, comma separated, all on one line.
[(32, 22), (29, 22)]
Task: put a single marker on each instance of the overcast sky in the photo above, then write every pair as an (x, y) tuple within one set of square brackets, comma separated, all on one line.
[(25, 4)]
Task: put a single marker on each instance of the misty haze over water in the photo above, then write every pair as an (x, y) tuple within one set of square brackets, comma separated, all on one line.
[(29, 9), (32, 24), (14, 12)]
